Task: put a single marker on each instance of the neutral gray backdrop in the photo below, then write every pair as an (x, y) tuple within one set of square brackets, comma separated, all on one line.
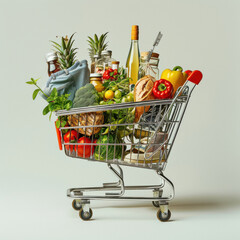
[(204, 164)]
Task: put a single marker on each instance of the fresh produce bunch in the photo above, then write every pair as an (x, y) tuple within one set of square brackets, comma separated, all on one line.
[(110, 74), (97, 45), (104, 152), (66, 52), (116, 88)]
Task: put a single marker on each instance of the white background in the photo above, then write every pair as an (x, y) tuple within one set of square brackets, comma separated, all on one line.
[(204, 164)]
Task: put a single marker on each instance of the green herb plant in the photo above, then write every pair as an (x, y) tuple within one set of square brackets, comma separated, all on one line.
[(55, 102)]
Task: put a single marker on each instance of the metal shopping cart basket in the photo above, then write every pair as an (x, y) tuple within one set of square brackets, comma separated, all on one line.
[(143, 144)]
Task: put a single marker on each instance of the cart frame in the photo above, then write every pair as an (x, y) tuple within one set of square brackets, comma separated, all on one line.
[(171, 119)]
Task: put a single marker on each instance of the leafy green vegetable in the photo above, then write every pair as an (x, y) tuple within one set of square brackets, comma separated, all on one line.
[(86, 96), (55, 102), (108, 152)]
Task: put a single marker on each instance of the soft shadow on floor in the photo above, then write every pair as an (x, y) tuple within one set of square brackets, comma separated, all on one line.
[(179, 204), (195, 204)]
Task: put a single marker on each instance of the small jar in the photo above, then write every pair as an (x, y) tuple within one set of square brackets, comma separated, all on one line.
[(107, 58), (52, 61), (96, 81), (115, 65), (151, 67)]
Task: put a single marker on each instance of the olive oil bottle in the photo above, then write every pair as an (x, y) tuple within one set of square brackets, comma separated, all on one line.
[(133, 59)]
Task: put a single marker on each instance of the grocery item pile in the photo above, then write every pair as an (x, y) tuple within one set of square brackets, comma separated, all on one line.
[(102, 134)]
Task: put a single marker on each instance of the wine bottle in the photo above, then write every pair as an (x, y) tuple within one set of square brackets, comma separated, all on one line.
[(133, 59)]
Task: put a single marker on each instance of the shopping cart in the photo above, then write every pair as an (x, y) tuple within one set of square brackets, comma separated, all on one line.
[(143, 144)]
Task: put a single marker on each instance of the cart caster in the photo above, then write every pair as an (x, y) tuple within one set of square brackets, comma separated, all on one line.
[(163, 216), (76, 204), (85, 215), (155, 204)]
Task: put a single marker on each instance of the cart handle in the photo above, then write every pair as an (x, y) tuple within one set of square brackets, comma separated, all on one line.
[(195, 77)]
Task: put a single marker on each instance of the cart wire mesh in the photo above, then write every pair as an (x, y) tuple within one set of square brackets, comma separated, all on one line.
[(110, 134)]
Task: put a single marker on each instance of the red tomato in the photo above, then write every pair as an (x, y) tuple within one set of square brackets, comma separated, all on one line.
[(84, 150), (115, 72), (70, 137)]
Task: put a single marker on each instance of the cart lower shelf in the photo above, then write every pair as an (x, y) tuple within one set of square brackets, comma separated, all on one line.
[(117, 191)]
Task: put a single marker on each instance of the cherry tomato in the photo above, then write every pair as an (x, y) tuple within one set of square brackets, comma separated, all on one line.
[(109, 94), (70, 137), (124, 100), (130, 98), (115, 88), (118, 94)]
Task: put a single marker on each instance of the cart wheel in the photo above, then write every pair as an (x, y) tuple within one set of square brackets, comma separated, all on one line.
[(155, 204), (163, 217), (85, 215), (76, 205)]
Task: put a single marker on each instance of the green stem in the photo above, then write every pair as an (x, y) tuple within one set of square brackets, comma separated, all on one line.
[(41, 90), (178, 68)]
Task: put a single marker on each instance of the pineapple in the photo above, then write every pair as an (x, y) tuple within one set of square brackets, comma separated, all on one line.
[(97, 45), (66, 53)]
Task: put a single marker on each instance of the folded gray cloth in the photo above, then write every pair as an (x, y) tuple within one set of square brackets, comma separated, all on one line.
[(69, 80)]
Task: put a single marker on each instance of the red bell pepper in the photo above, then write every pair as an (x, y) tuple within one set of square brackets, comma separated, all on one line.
[(162, 89)]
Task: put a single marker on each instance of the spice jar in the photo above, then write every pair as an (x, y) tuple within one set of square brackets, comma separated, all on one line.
[(149, 68), (96, 81), (115, 65), (52, 61)]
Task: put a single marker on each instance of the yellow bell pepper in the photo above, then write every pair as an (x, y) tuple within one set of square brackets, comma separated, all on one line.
[(175, 76)]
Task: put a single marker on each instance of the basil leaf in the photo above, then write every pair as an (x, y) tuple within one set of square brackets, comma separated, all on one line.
[(29, 82), (35, 93), (54, 93), (46, 110)]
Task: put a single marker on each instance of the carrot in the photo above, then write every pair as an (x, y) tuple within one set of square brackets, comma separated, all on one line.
[(58, 137)]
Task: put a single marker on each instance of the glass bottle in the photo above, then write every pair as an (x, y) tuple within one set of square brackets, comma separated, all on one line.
[(149, 68), (53, 64), (93, 64), (99, 64), (133, 59)]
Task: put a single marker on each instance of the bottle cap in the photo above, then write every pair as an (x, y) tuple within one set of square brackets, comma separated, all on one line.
[(105, 52), (134, 35), (51, 56), (96, 56), (115, 62)]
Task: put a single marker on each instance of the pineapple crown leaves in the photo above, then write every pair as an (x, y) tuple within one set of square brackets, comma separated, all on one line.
[(65, 51), (97, 45)]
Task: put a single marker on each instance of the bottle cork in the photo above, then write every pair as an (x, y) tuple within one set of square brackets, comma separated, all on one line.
[(134, 35)]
